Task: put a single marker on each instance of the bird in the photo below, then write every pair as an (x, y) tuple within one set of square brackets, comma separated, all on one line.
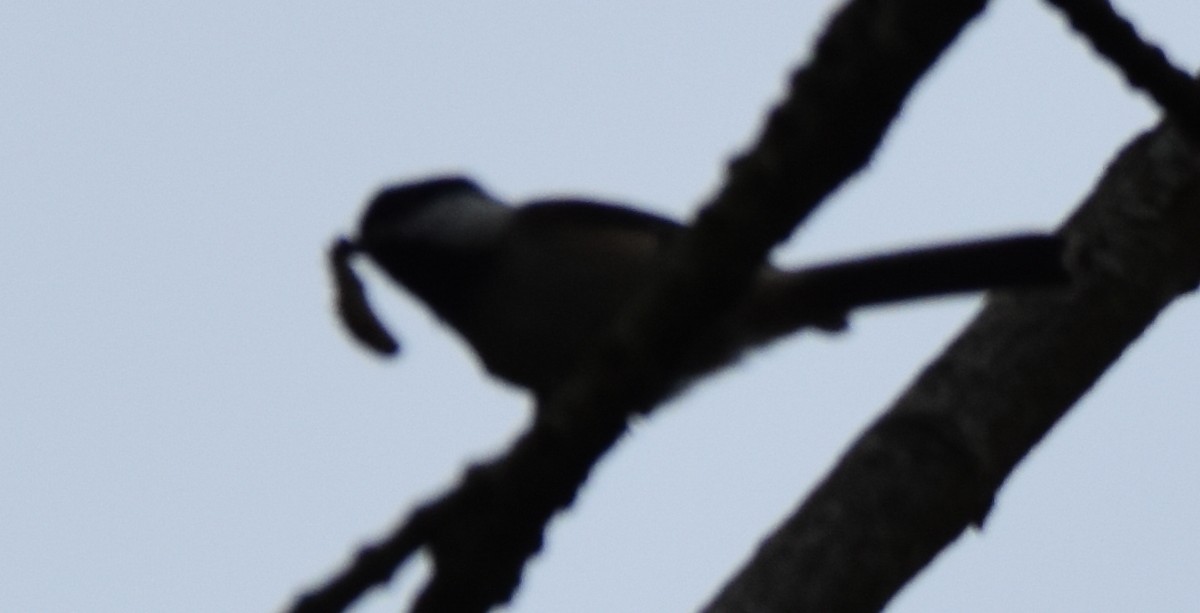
[(531, 288)]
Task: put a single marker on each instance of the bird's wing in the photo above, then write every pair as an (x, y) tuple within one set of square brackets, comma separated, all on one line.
[(594, 226)]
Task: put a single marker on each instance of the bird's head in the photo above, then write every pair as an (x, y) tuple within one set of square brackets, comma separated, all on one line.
[(447, 212)]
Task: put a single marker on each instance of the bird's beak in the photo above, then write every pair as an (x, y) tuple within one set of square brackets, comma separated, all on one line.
[(352, 306)]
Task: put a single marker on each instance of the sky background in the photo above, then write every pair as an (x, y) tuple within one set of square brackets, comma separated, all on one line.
[(184, 427)]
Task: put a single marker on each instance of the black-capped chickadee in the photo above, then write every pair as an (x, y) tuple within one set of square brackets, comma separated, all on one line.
[(531, 288)]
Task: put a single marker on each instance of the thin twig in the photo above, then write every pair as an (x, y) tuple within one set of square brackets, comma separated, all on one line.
[(1144, 65)]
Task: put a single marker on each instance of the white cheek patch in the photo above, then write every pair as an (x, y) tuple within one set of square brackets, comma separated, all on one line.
[(456, 221)]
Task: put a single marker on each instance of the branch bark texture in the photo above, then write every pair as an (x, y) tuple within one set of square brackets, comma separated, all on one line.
[(928, 468)]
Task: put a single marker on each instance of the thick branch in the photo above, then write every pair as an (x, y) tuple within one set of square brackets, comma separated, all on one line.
[(928, 468)]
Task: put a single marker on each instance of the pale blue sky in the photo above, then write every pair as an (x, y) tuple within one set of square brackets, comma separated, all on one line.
[(183, 427)]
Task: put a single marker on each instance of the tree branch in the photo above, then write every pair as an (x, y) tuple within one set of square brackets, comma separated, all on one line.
[(834, 117), (1144, 65), (928, 468)]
